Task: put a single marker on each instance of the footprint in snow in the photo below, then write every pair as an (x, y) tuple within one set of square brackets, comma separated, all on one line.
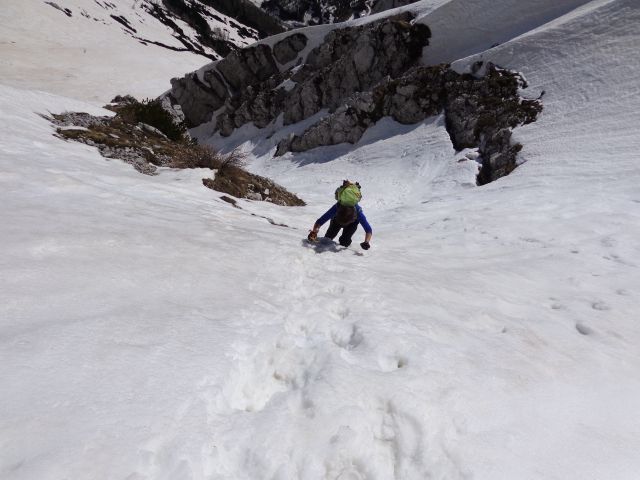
[(347, 337), (601, 306), (583, 329), (404, 435), (390, 363), (267, 370), (342, 313), (608, 242), (350, 474)]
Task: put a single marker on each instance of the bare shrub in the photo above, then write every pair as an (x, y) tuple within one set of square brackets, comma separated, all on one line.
[(232, 161), (233, 179), (197, 156)]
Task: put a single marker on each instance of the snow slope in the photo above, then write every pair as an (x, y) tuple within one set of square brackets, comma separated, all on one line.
[(484, 28), (90, 55), (149, 330)]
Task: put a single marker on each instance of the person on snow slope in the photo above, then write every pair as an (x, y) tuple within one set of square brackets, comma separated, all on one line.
[(345, 214)]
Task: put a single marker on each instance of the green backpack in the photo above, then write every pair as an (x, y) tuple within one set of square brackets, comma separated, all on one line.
[(348, 194)]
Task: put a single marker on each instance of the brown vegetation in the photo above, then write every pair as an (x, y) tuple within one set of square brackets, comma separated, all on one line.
[(242, 184), (146, 148)]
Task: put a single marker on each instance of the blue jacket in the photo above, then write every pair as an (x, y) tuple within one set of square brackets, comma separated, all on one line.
[(329, 214)]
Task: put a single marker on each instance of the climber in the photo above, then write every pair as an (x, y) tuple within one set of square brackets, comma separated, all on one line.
[(345, 214)]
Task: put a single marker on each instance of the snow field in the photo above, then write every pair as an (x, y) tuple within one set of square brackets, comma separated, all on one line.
[(522, 272), (484, 28), (90, 56), (157, 371), (149, 330)]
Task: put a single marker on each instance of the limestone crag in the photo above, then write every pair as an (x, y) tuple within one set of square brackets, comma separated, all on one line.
[(482, 112), (353, 60), (201, 95), (349, 61), (247, 67), (314, 12), (287, 49), (479, 112), (378, 6), (409, 99), (197, 99), (248, 83), (359, 75)]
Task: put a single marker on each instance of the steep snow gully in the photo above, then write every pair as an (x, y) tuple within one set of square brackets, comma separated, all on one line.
[(149, 330)]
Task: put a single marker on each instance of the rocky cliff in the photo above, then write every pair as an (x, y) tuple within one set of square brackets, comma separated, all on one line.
[(316, 12), (211, 28), (359, 75), (212, 21)]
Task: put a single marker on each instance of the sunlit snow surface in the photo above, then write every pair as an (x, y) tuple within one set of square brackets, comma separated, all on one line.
[(149, 330), (92, 56)]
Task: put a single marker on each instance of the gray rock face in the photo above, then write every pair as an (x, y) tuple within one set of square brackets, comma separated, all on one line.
[(130, 156), (382, 5), (315, 12), (229, 77), (83, 120), (247, 67), (483, 112), (333, 72), (345, 125), (353, 60), (287, 49), (360, 74), (349, 60), (197, 100), (480, 112), (409, 99), (264, 106), (177, 115)]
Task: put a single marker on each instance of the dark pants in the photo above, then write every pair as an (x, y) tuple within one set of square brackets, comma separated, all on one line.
[(347, 232)]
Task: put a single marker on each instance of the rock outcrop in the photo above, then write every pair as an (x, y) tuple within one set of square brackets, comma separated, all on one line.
[(359, 75), (381, 5), (201, 95), (247, 67), (287, 49), (315, 12), (353, 60), (249, 84), (480, 112)]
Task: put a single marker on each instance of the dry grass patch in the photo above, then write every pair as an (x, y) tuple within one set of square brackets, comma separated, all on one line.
[(236, 181), (147, 147), (197, 156)]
